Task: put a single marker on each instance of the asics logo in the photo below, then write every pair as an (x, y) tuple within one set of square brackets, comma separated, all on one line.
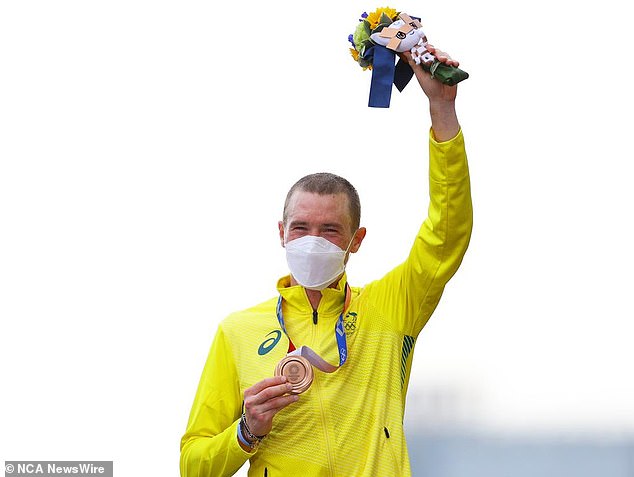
[(269, 343)]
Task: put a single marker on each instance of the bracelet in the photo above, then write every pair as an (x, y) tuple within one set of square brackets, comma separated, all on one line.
[(250, 436), (242, 439)]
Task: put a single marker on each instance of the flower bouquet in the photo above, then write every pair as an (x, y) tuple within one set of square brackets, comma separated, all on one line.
[(375, 42)]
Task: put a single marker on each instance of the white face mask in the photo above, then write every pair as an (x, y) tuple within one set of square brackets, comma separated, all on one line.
[(314, 261)]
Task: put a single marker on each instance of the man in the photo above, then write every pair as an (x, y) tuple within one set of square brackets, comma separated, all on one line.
[(348, 422)]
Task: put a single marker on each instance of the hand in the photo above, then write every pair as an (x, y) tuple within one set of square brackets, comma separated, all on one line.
[(442, 97), (265, 399), (435, 90)]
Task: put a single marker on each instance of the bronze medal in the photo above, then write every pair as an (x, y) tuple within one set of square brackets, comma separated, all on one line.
[(298, 372)]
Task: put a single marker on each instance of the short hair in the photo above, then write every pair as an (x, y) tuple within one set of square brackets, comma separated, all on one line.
[(325, 183)]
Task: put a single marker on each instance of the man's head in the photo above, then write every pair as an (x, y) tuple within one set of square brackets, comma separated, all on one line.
[(324, 205), (325, 183)]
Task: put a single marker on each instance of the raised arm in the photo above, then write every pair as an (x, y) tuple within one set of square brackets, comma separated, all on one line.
[(412, 290), (442, 98)]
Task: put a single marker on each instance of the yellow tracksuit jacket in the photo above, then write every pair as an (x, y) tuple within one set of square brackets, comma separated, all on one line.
[(348, 423)]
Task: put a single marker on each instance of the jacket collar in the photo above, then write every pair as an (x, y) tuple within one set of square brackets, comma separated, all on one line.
[(296, 301)]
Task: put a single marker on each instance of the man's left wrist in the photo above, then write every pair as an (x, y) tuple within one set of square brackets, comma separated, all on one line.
[(244, 442), (246, 436)]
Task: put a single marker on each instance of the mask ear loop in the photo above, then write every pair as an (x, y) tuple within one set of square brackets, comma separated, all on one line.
[(285, 234), (346, 255), (351, 240)]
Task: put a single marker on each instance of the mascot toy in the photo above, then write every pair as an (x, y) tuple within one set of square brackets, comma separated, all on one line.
[(377, 39)]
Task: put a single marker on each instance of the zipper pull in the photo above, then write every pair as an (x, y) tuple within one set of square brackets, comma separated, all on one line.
[(315, 317)]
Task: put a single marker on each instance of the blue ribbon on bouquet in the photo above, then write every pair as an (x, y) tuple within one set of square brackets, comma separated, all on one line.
[(384, 74)]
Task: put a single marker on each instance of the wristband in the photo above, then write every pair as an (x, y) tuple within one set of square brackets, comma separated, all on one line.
[(241, 437), (250, 434), (254, 440)]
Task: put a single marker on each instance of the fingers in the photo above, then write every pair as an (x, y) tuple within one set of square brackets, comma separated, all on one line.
[(442, 56), (405, 56), (263, 413), (265, 383), (259, 420), (265, 399), (266, 394)]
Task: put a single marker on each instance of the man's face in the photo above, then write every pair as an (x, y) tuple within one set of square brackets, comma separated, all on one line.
[(326, 216)]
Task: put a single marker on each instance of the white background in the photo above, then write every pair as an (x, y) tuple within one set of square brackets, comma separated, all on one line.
[(145, 152)]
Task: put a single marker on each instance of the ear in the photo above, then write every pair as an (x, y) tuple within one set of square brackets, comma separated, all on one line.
[(359, 235), (280, 227)]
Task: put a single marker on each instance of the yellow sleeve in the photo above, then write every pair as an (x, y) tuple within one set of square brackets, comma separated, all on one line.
[(409, 293), (210, 446)]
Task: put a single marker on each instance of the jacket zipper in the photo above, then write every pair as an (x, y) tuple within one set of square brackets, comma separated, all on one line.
[(317, 391)]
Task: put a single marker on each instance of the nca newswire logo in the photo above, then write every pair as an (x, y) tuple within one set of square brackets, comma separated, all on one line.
[(56, 468)]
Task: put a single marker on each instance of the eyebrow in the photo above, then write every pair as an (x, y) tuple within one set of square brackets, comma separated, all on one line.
[(331, 225), (301, 223), (297, 223)]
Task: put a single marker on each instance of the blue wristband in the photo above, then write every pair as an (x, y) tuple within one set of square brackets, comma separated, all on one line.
[(241, 437)]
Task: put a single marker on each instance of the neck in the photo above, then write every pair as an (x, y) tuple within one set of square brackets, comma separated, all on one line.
[(314, 297)]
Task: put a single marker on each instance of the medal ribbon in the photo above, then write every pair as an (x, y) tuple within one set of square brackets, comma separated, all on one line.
[(308, 353)]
